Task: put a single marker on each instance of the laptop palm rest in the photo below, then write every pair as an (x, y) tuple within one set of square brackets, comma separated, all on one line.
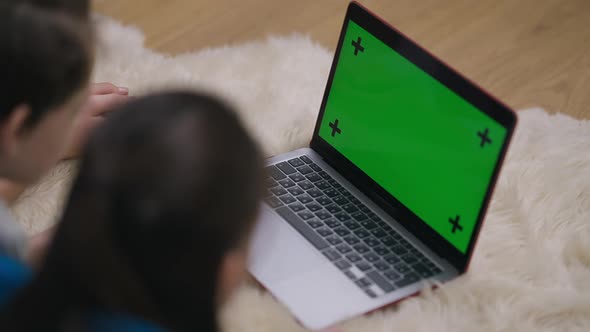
[(278, 252)]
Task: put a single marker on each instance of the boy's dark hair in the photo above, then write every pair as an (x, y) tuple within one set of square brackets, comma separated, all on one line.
[(168, 186), (80, 8), (46, 56)]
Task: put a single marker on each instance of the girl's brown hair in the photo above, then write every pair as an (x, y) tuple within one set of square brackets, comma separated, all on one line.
[(45, 58)]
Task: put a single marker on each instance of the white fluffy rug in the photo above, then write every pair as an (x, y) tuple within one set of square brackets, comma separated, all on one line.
[(531, 270)]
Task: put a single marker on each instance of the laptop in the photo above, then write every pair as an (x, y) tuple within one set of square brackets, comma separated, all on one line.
[(391, 194)]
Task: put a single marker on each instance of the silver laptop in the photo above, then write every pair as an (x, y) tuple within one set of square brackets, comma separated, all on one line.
[(391, 194)]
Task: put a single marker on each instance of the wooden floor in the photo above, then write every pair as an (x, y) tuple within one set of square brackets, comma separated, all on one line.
[(527, 52)]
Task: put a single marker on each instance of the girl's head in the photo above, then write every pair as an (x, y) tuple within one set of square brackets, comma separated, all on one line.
[(45, 60), (159, 217)]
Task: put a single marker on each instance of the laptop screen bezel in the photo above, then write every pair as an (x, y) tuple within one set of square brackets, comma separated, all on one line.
[(451, 79)]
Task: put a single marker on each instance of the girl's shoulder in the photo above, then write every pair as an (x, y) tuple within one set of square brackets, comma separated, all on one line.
[(112, 322)]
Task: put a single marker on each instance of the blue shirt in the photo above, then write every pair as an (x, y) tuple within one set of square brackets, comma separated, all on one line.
[(111, 322), (14, 275)]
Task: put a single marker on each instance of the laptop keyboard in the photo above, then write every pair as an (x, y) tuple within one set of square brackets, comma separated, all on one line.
[(364, 247)]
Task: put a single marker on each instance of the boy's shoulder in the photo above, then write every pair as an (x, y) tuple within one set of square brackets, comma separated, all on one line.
[(13, 240), (14, 274)]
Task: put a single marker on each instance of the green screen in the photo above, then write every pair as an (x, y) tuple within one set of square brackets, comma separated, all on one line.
[(428, 147)]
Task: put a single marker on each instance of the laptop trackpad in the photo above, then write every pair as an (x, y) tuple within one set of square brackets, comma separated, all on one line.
[(279, 252)]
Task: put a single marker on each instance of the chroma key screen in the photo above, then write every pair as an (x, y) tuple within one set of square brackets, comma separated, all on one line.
[(428, 147)]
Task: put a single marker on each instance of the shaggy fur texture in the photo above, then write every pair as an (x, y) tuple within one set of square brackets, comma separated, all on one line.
[(531, 270)]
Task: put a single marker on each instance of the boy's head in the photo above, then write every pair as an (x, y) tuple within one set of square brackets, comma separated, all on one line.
[(79, 8), (45, 61), (160, 215)]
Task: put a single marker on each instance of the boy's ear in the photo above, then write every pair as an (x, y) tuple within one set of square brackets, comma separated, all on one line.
[(11, 129), (232, 273)]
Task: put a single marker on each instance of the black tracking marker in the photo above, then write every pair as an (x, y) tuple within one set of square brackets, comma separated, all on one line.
[(335, 129), (485, 139), (357, 46), (455, 223)]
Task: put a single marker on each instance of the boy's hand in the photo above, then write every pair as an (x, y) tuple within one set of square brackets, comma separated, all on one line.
[(104, 97), (10, 190)]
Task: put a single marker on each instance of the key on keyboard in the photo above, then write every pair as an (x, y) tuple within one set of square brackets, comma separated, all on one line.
[(296, 162), (286, 168)]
